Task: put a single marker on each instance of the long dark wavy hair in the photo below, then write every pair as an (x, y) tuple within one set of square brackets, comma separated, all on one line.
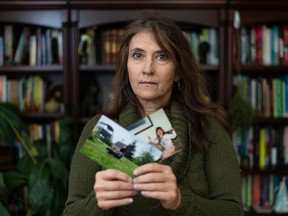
[(190, 90)]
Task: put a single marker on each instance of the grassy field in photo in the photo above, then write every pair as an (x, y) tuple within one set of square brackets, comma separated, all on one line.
[(97, 151)]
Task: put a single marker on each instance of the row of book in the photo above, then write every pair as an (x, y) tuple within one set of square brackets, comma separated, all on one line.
[(100, 46), (262, 192), (262, 147), (26, 45), (204, 45), (48, 133), (264, 44), (268, 96), (27, 93)]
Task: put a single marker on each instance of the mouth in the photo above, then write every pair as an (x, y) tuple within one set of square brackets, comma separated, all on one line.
[(147, 82)]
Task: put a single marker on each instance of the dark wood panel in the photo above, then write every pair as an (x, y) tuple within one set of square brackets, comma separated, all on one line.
[(48, 18), (205, 17), (259, 4), (36, 5), (156, 4), (27, 68)]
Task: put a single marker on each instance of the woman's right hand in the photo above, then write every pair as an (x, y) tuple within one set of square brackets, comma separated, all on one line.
[(113, 188)]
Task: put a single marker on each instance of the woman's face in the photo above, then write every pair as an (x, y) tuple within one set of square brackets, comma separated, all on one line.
[(150, 69), (160, 132)]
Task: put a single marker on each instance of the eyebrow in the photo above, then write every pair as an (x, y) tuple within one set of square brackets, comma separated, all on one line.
[(139, 49), (136, 49)]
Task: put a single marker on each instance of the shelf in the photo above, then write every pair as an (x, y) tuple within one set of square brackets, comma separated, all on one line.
[(92, 68), (41, 116), (132, 4), (265, 214), (12, 4), (31, 69), (111, 68), (277, 69), (270, 171), (262, 120)]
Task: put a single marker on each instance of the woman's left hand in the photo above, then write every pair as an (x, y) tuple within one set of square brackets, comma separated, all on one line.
[(158, 181)]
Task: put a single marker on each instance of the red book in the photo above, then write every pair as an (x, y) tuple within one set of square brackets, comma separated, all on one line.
[(256, 191), (258, 44), (285, 45)]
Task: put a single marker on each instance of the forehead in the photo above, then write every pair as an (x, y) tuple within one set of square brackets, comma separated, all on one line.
[(141, 38)]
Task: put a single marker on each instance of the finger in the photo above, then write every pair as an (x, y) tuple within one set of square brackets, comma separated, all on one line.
[(155, 177), (157, 187), (108, 204), (115, 195), (151, 167), (112, 185), (111, 174)]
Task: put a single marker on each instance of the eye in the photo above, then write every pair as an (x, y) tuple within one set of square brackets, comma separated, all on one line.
[(136, 55), (162, 56)]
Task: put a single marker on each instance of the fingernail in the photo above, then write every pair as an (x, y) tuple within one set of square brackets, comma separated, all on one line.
[(135, 172), (129, 200)]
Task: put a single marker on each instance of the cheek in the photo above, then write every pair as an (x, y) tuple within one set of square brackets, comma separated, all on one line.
[(168, 79), (131, 73)]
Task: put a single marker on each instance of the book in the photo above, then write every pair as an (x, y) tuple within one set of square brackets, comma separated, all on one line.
[(8, 44), (285, 45), (33, 50), (22, 48), (1, 50)]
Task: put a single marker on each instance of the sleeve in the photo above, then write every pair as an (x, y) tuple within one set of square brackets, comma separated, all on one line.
[(223, 181), (173, 134), (154, 141), (81, 199)]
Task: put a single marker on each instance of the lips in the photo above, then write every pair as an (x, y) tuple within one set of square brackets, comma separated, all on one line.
[(147, 82)]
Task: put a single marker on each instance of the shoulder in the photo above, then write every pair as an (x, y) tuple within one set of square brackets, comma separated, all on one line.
[(216, 130)]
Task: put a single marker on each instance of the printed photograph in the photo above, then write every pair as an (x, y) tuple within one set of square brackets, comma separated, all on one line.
[(156, 130), (114, 147)]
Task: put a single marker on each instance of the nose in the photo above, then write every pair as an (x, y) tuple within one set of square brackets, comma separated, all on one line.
[(148, 67)]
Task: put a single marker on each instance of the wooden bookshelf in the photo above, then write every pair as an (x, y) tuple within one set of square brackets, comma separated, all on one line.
[(254, 13), (73, 17)]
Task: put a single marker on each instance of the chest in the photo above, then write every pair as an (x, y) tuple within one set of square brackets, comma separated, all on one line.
[(196, 178)]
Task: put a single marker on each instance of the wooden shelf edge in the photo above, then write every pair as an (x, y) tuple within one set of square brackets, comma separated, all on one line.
[(173, 4), (41, 115), (99, 67), (28, 68), (261, 68), (269, 171), (35, 5)]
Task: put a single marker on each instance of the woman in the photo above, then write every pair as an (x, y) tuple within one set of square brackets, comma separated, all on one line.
[(164, 139), (156, 69)]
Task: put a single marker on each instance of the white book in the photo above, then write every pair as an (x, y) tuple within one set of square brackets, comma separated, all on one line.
[(8, 44), (33, 50), (266, 44), (60, 47)]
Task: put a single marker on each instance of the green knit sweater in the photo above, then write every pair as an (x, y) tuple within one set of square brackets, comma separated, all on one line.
[(210, 184)]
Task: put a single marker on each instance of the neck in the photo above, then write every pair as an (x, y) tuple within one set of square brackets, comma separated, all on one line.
[(151, 107)]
